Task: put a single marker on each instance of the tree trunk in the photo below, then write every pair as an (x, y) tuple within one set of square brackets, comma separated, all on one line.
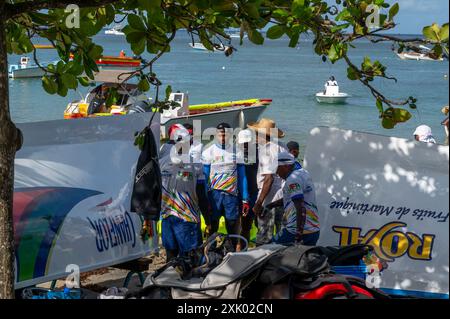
[(10, 141)]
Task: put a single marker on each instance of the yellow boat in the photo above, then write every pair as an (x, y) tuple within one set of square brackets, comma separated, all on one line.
[(236, 113), (43, 46)]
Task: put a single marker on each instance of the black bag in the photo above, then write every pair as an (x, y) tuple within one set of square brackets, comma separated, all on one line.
[(147, 188), (299, 260), (346, 255)]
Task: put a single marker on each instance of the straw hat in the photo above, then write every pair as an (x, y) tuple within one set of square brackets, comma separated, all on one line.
[(265, 126)]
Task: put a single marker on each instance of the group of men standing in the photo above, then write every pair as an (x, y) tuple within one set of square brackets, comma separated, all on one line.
[(249, 178)]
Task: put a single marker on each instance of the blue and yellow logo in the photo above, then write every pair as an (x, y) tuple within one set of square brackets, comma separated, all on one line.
[(389, 242)]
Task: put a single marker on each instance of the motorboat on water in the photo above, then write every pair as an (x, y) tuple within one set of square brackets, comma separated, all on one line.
[(331, 94), (26, 69), (199, 46), (114, 31), (119, 61), (423, 54), (417, 56), (131, 100), (236, 35)]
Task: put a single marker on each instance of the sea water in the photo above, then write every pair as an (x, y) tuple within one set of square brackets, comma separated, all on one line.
[(289, 76)]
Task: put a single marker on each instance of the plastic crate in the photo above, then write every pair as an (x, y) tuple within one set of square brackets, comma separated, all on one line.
[(355, 271)]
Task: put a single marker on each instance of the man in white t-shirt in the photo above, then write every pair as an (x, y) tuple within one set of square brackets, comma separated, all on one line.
[(300, 219), (269, 184)]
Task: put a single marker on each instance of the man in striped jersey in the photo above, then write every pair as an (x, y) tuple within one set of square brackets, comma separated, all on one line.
[(300, 221), (226, 181), (180, 209)]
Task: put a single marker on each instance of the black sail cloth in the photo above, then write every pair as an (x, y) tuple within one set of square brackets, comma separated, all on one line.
[(147, 188)]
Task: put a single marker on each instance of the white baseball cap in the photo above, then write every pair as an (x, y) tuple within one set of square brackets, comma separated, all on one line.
[(285, 158), (244, 136)]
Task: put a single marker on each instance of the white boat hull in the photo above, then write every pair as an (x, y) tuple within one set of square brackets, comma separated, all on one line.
[(417, 57), (201, 47), (236, 117), (113, 32), (340, 98), (31, 72)]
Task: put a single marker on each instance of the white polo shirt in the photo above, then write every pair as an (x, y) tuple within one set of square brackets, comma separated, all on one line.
[(268, 164)]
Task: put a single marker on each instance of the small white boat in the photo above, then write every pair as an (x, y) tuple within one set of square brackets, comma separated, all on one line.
[(26, 69), (331, 94), (417, 56), (114, 31), (236, 35), (199, 46)]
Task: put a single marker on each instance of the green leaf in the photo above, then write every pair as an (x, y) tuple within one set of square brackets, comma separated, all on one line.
[(275, 32), (393, 11), (340, 27), (149, 5), (401, 115), (84, 81), (136, 22), (168, 91), (138, 47), (62, 89), (443, 33), (431, 32), (351, 74), (96, 52), (255, 36), (294, 40), (49, 85), (143, 85), (69, 81), (136, 36), (380, 106), (387, 123)]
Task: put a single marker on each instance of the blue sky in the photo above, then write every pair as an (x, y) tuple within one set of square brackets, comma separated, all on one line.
[(415, 14)]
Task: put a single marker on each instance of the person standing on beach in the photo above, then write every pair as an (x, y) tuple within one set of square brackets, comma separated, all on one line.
[(300, 218), (269, 184), (249, 158), (294, 149), (226, 181), (195, 154), (180, 207)]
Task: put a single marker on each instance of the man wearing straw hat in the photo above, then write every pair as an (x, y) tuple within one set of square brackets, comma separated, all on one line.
[(269, 183)]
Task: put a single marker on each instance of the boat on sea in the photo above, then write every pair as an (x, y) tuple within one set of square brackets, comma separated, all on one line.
[(199, 46), (331, 94), (131, 100), (417, 56), (118, 61), (236, 35), (114, 31), (26, 69), (424, 54)]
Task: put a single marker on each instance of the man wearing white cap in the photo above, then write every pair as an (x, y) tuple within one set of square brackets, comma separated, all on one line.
[(423, 134), (180, 211), (300, 221), (248, 155)]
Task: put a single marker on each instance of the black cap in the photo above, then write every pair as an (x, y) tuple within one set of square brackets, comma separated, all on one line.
[(293, 145), (223, 126)]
